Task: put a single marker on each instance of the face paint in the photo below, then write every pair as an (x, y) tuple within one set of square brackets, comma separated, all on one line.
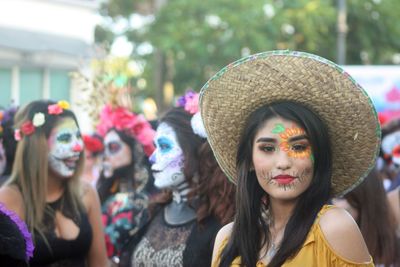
[(167, 160), (65, 146), (117, 153), (282, 159), (3, 159), (294, 149)]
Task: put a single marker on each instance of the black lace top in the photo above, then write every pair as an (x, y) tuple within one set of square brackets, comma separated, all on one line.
[(65, 253), (162, 245)]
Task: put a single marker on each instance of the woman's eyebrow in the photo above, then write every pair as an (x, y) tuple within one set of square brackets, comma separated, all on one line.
[(298, 137), (266, 139)]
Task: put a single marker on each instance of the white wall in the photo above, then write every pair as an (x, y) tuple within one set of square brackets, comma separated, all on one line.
[(72, 18)]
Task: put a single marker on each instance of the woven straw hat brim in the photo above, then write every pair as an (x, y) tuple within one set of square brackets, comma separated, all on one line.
[(231, 95)]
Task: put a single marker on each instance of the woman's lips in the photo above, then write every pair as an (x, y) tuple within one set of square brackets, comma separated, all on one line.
[(284, 179)]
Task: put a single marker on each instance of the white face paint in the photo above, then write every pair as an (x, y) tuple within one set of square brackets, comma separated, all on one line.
[(3, 160), (117, 153), (65, 146), (167, 160)]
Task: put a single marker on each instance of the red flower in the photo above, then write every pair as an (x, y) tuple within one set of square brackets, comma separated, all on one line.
[(27, 128), (92, 144)]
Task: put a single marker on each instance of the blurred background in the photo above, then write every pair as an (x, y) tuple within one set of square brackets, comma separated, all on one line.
[(146, 52)]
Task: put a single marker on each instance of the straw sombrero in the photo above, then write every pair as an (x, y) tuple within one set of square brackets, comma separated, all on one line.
[(229, 97)]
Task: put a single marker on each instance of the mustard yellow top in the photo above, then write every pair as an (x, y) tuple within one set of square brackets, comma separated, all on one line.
[(315, 251)]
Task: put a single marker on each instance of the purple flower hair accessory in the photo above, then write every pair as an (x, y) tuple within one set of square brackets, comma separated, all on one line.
[(22, 228)]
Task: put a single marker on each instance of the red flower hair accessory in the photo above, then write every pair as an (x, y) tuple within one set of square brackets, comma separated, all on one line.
[(132, 124), (92, 144)]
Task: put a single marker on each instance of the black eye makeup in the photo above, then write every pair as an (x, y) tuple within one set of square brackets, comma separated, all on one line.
[(113, 147), (64, 137)]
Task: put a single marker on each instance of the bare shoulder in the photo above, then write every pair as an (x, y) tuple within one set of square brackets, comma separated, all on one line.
[(343, 235), (222, 234), (394, 202), (12, 198), (393, 196)]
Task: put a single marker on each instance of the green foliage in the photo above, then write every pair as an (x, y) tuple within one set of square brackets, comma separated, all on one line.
[(199, 37)]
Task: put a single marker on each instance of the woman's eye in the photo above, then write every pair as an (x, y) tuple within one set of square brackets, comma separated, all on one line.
[(164, 146), (267, 148), (299, 147), (65, 138)]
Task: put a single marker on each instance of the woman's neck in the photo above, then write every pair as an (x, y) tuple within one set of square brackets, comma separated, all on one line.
[(178, 211), (55, 188), (180, 192), (280, 212)]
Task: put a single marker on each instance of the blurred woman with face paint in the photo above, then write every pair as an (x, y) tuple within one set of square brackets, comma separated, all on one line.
[(45, 190), (183, 227), (125, 185)]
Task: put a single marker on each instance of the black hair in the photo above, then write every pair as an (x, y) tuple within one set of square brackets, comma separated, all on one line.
[(246, 240)]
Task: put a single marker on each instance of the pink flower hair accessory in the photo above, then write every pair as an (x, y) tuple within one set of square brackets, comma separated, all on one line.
[(132, 124), (189, 101)]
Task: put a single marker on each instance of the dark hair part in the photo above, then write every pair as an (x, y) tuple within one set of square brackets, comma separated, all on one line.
[(180, 121), (246, 239), (376, 220), (216, 192)]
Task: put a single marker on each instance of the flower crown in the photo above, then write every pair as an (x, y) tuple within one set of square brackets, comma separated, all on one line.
[(39, 119), (190, 102), (29, 247), (130, 123)]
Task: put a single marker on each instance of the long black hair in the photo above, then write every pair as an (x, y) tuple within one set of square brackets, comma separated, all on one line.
[(247, 240)]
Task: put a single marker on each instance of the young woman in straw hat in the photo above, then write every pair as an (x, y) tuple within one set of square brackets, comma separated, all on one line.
[(45, 190), (291, 129)]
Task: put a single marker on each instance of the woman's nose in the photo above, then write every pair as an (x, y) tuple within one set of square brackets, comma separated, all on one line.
[(77, 147), (283, 161), (152, 158)]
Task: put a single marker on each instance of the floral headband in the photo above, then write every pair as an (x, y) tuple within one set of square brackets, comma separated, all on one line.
[(39, 119), (190, 102), (135, 125), (29, 247)]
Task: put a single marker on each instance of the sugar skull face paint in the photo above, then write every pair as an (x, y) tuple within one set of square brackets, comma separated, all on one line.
[(117, 153), (3, 160), (65, 147), (282, 159), (167, 160)]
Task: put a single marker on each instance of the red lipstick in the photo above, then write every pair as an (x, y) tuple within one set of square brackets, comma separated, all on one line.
[(284, 179)]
